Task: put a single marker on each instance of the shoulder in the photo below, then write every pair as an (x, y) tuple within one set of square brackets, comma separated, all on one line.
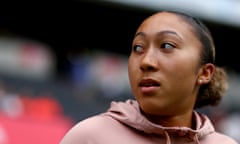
[(217, 137), (90, 129)]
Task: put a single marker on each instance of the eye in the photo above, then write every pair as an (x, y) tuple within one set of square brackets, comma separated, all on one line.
[(167, 46), (138, 48)]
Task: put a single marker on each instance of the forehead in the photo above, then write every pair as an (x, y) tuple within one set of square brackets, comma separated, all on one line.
[(166, 21)]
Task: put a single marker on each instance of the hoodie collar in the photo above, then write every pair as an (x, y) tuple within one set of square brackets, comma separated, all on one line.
[(129, 113)]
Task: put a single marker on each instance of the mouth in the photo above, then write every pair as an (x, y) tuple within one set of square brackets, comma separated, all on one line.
[(149, 86), (149, 83)]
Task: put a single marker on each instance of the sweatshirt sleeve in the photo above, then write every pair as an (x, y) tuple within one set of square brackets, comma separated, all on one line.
[(75, 135), (84, 132)]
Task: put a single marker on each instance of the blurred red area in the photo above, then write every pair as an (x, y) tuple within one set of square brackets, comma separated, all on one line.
[(42, 122)]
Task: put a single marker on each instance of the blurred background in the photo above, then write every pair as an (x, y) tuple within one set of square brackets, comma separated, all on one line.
[(63, 61)]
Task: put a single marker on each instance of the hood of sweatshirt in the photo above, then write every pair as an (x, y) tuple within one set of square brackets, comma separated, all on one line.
[(129, 113)]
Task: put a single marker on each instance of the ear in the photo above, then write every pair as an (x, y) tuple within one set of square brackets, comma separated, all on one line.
[(206, 73)]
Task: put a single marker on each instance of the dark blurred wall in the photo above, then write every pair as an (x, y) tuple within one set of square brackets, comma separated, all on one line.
[(72, 26)]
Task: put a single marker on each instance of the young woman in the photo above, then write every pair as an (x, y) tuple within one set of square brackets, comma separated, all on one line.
[(172, 73)]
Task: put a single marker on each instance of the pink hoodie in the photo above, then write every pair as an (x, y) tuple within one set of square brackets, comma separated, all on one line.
[(124, 124)]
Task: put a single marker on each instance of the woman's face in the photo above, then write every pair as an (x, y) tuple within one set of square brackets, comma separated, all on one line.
[(164, 65)]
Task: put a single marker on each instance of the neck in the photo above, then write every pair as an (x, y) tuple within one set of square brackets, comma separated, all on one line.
[(184, 120)]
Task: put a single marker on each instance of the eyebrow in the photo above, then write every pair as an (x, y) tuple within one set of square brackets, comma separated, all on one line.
[(165, 32)]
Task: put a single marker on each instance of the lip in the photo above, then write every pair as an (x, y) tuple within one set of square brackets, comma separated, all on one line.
[(148, 85)]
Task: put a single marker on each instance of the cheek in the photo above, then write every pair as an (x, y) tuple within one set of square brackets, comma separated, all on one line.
[(132, 67), (188, 60), (133, 72), (183, 68)]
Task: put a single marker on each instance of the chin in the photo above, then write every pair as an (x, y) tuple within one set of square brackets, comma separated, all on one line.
[(152, 109)]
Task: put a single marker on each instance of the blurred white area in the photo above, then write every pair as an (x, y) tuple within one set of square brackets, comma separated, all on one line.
[(26, 58), (230, 125), (231, 100), (221, 11)]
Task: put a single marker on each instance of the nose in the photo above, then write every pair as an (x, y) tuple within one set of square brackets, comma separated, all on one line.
[(149, 61)]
